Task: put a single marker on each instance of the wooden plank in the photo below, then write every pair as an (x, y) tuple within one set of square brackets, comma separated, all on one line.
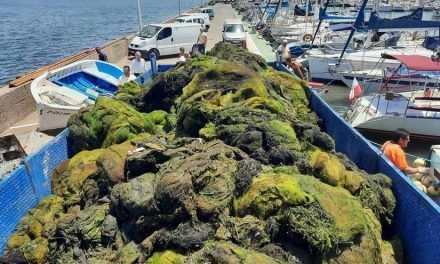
[(32, 75)]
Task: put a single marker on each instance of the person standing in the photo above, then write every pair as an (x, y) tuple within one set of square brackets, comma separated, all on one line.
[(101, 55), (138, 65), (284, 52), (126, 77), (393, 149), (202, 41)]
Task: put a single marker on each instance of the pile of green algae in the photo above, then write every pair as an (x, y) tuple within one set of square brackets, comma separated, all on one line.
[(219, 160)]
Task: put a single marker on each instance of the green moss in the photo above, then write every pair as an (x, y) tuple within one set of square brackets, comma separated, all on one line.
[(166, 257), (89, 222), (281, 133), (226, 252), (128, 254), (201, 62), (131, 88), (208, 132), (265, 104), (108, 122), (229, 52), (112, 161), (328, 168), (36, 252), (158, 117), (80, 167), (18, 239), (269, 193), (348, 218)]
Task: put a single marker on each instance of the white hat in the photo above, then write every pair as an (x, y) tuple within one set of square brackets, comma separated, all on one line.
[(285, 41)]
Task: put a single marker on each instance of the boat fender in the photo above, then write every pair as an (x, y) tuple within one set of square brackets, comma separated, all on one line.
[(419, 163), (307, 37), (426, 180), (433, 190), (420, 186), (418, 176)]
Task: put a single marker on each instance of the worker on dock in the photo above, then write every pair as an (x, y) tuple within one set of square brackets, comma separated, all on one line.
[(183, 56), (126, 77), (138, 65), (284, 51), (101, 55), (202, 41), (295, 67), (393, 149)]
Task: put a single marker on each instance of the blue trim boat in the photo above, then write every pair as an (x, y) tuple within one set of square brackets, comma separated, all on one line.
[(64, 91)]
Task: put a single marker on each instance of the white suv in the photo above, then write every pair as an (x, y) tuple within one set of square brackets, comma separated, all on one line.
[(234, 32)]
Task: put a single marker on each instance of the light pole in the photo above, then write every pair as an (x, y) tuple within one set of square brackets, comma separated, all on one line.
[(139, 15)]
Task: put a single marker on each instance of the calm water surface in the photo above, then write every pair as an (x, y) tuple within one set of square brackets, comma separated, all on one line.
[(34, 33)]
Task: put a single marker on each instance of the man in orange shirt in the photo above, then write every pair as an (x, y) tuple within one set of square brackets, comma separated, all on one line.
[(393, 149)]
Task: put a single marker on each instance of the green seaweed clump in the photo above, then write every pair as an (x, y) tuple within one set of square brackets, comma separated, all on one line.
[(228, 52), (219, 160), (108, 122), (127, 91)]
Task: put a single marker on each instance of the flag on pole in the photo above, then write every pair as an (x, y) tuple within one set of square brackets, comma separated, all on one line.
[(356, 90)]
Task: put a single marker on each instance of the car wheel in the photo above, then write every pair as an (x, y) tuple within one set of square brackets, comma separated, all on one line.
[(153, 51)]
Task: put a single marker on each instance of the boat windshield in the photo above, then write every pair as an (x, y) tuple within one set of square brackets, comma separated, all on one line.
[(149, 31), (180, 20), (234, 28)]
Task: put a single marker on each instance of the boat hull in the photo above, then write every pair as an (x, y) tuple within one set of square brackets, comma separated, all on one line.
[(422, 128), (62, 92), (50, 117)]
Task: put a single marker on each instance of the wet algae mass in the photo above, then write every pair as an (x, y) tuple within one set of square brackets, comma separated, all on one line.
[(231, 166)]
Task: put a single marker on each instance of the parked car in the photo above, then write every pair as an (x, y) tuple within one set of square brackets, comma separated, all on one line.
[(212, 2), (203, 16), (208, 11), (234, 32), (165, 39), (190, 19)]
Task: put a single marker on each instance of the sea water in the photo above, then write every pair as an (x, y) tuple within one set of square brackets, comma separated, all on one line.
[(35, 33)]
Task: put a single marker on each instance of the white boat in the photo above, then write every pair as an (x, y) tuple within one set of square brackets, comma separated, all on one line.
[(383, 113), (385, 8), (325, 67), (413, 73), (62, 92)]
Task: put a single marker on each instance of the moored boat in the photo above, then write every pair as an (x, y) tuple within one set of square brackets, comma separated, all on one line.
[(62, 92), (417, 112), (414, 73)]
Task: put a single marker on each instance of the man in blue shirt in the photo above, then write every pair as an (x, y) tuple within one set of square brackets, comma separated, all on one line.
[(101, 55)]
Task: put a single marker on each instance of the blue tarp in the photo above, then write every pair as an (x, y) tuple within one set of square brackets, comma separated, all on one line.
[(431, 43), (413, 21)]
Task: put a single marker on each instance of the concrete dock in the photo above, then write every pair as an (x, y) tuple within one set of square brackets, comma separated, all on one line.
[(18, 110)]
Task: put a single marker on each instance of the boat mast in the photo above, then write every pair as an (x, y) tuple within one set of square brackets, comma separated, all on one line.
[(359, 21), (320, 21), (139, 15)]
